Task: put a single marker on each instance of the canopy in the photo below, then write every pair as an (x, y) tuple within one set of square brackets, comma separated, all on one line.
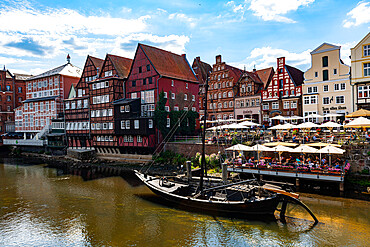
[(304, 149), (314, 116), (331, 125), (307, 125), (294, 118), (248, 123), (281, 148), (233, 126), (283, 126), (359, 113), (330, 149), (214, 128), (360, 122), (321, 144), (261, 148), (239, 147), (333, 115), (274, 144), (279, 117)]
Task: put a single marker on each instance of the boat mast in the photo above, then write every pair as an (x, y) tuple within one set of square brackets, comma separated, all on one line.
[(203, 161)]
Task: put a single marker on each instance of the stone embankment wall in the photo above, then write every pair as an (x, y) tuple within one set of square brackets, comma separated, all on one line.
[(357, 155), (190, 149)]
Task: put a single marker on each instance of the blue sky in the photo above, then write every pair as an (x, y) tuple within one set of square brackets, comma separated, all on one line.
[(37, 35)]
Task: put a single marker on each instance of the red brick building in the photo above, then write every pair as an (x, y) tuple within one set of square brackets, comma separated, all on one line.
[(12, 93), (77, 107), (155, 70), (44, 98), (221, 94), (247, 93), (283, 95)]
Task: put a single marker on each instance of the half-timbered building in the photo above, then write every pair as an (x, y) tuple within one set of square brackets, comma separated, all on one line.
[(283, 95), (155, 70), (221, 90), (104, 90), (44, 98), (77, 106), (247, 93)]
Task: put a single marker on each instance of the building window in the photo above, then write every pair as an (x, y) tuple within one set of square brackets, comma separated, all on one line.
[(230, 104), (172, 83), (325, 61), (312, 89), (167, 108), (286, 105), (148, 67), (366, 50), (335, 71), (265, 106), (326, 88), (140, 69), (19, 89), (176, 108), (165, 95), (185, 97), (265, 118), (150, 80), (194, 109), (186, 108), (193, 98), (8, 98), (136, 124), (366, 69), (150, 123), (187, 85), (127, 124), (293, 104), (139, 139), (134, 83), (127, 108), (313, 99), (225, 104), (363, 91), (306, 100), (275, 105), (325, 75), (168, 124), (339, 99), (172, 95), (325, 100), (316, 74)]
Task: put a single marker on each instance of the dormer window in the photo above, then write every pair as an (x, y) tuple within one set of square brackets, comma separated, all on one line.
[(108, 73)]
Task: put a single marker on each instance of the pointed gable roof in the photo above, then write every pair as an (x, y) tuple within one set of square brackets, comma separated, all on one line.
[(122, 65), (67, 69), (204, 69), (97, 62), (169, 64), (265, 75), (362, 41), (325, 47), (295, 74)]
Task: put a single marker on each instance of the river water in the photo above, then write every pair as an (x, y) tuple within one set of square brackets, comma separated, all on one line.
[(42, 207)]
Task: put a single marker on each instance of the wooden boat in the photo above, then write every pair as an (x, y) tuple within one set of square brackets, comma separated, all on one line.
[(239, 199)]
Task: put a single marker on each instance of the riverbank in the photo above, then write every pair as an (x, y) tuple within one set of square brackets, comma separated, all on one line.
[(355, 184)]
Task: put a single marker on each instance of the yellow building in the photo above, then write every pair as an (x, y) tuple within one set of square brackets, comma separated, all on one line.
[(360, 63), (326, 87)]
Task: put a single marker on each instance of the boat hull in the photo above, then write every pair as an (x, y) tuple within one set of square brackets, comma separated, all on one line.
[(265, 207)]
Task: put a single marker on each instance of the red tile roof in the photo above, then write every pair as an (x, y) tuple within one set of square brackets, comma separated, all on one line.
[(121, 64), (204, 69), (169, 64), (295, 74), (265, 75), (96, 61), (236, 73)]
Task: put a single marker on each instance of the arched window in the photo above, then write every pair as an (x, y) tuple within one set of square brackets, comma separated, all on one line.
[(225, 104), (224, 95), (230, 104), (220, 105), (230, 94), (219, 95)]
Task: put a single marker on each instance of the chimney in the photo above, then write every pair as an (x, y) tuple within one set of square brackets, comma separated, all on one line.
[(218, 59), (254, 68), (198, 59), (68, 59), (184, 56)]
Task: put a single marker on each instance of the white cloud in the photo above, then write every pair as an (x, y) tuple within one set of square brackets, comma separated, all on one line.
[(183, 18), (359, 15), (265, 57), (272, 10)]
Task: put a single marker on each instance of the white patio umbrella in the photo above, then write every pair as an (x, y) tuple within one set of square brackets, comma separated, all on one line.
[(280, 149), (274, 144), (331, 125), (214, 128), (233, 126), (304, 149), (248, 123), (279, 117), (359, 122), (294, 118), (286, 126), (331, 150), (307, 125), (314, 116), (239, 147), (261, 148), (333, 115)]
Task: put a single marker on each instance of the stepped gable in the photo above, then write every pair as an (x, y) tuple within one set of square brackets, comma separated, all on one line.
[(169, 64), (121, 64), (295, 74)]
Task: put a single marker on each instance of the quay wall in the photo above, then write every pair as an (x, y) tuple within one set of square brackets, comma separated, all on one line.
[(190, 149)]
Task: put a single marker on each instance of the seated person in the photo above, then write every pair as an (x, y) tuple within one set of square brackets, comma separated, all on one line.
[(314, 138), (367, 136)]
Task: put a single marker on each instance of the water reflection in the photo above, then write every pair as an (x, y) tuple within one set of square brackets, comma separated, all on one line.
[(45, 207)]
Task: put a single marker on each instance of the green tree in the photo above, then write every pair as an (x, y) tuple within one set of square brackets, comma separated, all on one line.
[(160, 115)]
